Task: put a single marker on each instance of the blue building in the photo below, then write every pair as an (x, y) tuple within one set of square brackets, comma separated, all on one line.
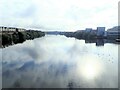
[(100, 31), (88, 30), (114, 32)]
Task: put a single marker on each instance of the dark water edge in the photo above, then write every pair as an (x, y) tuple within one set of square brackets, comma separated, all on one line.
[(60, 89), (98, 42), (8, 39)]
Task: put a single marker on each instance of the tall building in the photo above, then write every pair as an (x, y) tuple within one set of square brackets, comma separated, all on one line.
[(100, 31)]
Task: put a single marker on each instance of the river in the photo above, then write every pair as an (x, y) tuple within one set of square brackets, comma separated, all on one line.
[(60, 62)]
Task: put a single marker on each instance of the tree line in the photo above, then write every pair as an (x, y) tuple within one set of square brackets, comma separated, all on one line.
[(19, 37)]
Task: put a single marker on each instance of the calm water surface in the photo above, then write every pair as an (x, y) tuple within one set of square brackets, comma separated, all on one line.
[(58, 61)]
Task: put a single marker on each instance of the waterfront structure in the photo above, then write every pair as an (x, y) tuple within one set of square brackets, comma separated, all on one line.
[(115, 31), (11, 29), (100, 31), (94, 32), (21, 29), (88, 30), (105, 34), (3, 28)]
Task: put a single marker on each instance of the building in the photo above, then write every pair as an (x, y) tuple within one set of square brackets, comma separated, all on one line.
[(21, 29), (94, 32), (11, 29), (88, 30), (114, 32), (100, 31), (5, 29)]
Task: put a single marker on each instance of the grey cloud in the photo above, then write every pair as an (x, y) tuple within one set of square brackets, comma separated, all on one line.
[(55, 14)]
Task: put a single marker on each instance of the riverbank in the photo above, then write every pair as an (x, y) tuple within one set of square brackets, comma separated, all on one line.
[(8, 38)]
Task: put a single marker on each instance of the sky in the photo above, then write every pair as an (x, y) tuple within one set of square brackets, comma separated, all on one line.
[(59, 14)]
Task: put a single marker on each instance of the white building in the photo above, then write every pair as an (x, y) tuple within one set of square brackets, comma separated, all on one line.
[(4, 28), (11, 29)]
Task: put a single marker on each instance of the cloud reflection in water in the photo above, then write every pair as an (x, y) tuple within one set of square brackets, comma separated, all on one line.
[(57, 61)]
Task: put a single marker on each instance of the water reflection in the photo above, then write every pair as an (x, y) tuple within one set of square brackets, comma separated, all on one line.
[(60, 62), (101, 42)]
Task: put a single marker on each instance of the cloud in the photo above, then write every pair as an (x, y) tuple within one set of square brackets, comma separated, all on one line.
[(46, 62), (58, 14)]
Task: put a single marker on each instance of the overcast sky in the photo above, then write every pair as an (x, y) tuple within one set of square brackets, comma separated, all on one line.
[(59, 14)]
